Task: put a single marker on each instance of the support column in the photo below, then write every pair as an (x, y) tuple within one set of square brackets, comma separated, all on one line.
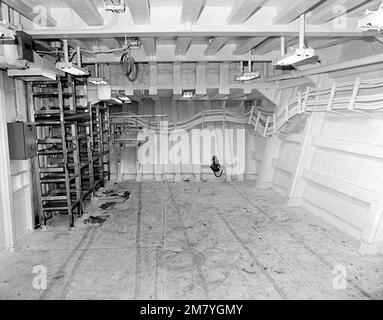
[(229, 151), (372, 232), (153, 78), (177, 79), (313, 129), (141, 108), (241, 153), (173, 110), (224, 135), (267, 170), (201, 70), (177, 167), (224, 78), (158, 166), (196, 153), (6, 198)]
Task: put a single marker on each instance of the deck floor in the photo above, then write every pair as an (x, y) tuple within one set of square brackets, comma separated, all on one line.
[(190, 240)]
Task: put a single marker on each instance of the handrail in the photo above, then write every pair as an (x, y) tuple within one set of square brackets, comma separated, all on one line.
[(340, 98), (122, 125), (353, 99), (199, 118)]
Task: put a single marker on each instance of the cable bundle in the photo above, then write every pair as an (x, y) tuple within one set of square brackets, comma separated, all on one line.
[(129, 67)]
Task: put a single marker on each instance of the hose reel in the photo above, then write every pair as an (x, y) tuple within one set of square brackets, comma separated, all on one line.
[(216, 167), (129, 67)]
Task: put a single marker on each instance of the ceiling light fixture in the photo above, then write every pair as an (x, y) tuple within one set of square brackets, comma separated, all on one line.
[(373, 20), (188, 94), (71, 68), (298, 54), (123, 97), (98, 81), (250, 75), (6, 33), (119, 101)]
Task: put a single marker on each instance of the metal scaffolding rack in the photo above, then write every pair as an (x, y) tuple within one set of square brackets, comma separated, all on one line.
[(72, 136)]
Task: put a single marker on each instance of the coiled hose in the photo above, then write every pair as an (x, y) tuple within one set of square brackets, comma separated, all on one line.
[(129, 67)]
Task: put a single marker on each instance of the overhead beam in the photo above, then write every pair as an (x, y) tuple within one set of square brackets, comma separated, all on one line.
[(149, 45), (215, 45), (112, 43), (172, 31), (182, 46), (140, 11), (214, 94), (321, 44), (292, 42), (43, 46), (166, 55), (121, 42), (84, 44), (87, 11), (360, 10), (191, 10), (163, 88), (270, 44), (293, 11), (249, 45), (329, 10), (379, 38), (31, 12), (240, 94), (244, 9)]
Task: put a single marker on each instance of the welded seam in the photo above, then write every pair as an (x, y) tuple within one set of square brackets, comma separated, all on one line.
[(304, 244), (61, 270), (75, 268), (268, 243), (137, 287), (189, 246), (156, 273), (261, 266), (164, 209)]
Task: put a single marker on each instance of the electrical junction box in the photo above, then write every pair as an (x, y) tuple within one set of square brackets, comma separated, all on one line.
[(16, 52), (25, 46), (22, 140), (117, 6)]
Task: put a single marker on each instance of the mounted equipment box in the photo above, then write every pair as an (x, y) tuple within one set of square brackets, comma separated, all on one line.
[(22, 140)]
